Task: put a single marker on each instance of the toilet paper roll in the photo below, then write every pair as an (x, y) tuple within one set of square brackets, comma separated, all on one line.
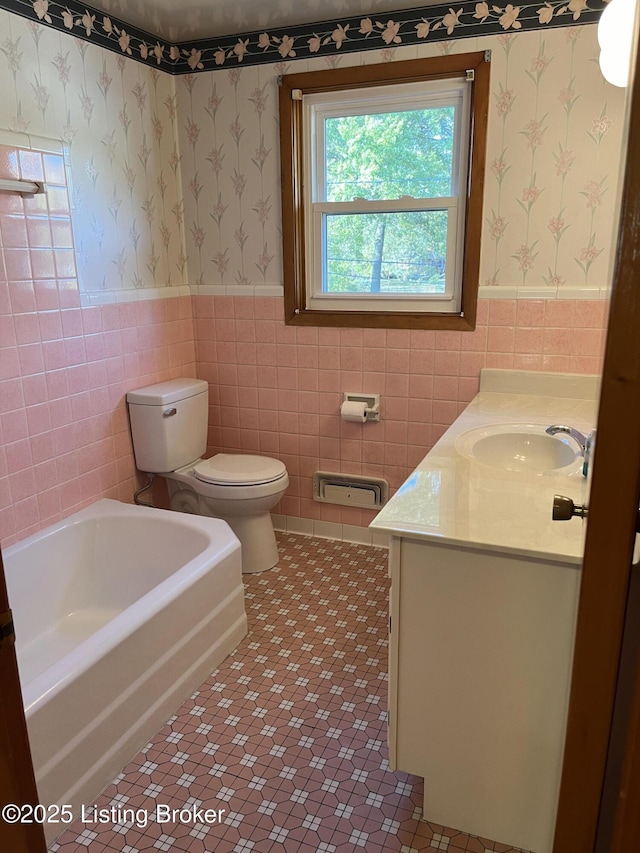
[(352, 410)]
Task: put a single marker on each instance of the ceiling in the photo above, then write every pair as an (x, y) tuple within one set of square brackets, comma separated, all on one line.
[(196, 19)]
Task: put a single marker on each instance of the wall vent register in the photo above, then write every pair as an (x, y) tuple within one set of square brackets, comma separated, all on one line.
[(350, 490)]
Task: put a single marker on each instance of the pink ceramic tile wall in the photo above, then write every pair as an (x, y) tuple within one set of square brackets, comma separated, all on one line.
[(65, 370), (277, 389)]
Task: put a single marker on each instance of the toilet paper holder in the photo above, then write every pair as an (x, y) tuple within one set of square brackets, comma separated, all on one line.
[(372, 402)]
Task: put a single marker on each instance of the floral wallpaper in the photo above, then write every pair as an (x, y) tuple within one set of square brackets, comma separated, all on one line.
[(229, 138), (117, 120), (553, 154), (365, 32), (555, 137), (175, 181)]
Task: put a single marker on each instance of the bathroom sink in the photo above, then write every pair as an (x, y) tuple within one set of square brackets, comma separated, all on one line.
[(519, 447)]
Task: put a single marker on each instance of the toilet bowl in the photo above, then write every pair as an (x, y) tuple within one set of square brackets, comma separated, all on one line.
[(169, 432), (241, 489)]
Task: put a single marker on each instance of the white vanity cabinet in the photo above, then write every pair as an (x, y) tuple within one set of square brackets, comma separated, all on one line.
[(484, 598), (480, 657)]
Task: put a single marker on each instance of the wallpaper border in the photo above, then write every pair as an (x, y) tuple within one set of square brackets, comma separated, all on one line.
[(326, 38)]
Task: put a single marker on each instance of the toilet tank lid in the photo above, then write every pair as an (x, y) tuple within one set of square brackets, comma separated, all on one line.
[(171, 391), (239, 469)]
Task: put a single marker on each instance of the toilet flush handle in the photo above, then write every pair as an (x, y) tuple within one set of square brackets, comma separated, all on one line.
[(168, 413)]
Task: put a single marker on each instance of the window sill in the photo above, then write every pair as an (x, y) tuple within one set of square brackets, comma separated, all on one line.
[(379, 320)]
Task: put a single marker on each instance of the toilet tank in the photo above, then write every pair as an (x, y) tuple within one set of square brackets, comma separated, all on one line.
[(169, 424)]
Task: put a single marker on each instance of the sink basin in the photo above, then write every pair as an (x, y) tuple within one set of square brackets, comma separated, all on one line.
[(520, 447)]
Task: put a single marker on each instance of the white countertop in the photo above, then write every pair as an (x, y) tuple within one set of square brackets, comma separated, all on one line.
[(451, 499)]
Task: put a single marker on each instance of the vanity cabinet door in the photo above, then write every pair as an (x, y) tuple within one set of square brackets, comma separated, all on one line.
[(481, 644)]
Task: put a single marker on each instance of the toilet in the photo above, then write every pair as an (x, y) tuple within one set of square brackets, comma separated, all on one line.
[(169, 432)]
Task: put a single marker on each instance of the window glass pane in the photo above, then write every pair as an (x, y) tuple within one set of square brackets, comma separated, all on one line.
[(386, 252), (388, 155)]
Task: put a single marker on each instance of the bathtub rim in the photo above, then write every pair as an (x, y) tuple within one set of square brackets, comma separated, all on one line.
[(222, 541)]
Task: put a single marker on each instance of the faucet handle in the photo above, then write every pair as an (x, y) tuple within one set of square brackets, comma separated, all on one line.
[(564, 509)]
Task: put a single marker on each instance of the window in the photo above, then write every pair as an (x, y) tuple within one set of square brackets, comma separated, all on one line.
[(382, 173)]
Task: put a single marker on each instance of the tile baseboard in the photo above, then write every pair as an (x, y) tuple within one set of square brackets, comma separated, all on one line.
[(329, 530)]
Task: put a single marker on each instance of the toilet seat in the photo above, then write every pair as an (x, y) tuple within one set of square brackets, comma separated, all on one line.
[(230, 469)]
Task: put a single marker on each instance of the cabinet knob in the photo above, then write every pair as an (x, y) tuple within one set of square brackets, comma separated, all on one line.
[(564, 509)]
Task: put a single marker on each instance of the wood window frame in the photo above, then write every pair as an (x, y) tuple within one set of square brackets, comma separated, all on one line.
[(293, 181)]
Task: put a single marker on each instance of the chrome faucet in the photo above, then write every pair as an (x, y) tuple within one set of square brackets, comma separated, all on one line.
[(571, 432)]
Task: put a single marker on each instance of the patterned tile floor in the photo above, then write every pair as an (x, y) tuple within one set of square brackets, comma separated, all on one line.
[(288, 736)]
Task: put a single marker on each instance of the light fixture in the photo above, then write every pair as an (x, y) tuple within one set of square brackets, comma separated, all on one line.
[(10, 185), (615, 37)]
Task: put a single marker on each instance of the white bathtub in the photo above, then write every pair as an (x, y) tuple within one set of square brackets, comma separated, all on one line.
[(120, 613)]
